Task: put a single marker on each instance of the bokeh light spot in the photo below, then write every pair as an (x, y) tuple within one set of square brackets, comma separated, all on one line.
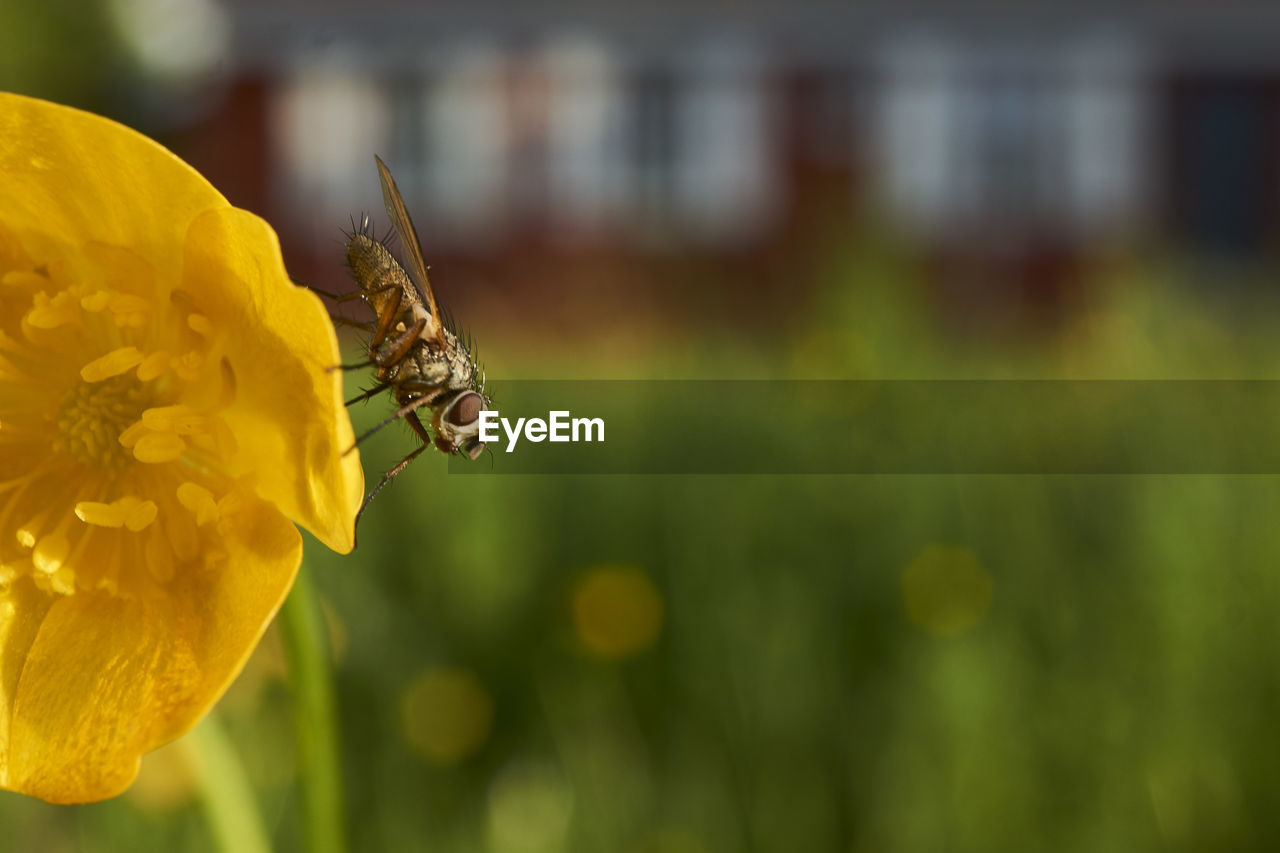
[(175, 38), (447, 715), (946, 590), (530, 805), (617, 612)]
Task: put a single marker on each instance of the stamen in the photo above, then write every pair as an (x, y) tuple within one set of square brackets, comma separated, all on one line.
[(51, 553), (129, 511), (100, 514), (200, 325), (96, 301), (127, 303), (63, 581), (24, 279), (129, 437), (126, 309), (155, 447), (198, 500), (112, 364), (153, 365), (93, 416), (179, 419), (188, 365), (51, 312), (140, 515), (230, 503)]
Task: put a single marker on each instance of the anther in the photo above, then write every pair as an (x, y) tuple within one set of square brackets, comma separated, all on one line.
[(153, 365), (51, 553), (155, 447), (51, 312), (199, 501), (112, 364), (200, 325)]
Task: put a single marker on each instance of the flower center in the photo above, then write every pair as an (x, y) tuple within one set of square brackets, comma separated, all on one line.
[(113, 449), (92, 415)]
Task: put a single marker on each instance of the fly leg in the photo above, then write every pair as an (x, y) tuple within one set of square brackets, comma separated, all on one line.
[(385, 320), (354, 366), (375, 390), (401, 346), (412, 418), (334, 296), (337, 297), (403, 412), (367, 327)]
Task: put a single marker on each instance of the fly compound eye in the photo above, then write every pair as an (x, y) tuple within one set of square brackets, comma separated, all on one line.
[(465, 410)]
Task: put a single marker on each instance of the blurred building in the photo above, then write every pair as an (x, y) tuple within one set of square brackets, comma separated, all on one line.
[(1011, 140)]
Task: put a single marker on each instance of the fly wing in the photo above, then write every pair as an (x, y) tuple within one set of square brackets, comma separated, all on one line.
[(412, 248)]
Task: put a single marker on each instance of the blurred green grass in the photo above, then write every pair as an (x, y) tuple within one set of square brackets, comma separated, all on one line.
[(1072, 663)]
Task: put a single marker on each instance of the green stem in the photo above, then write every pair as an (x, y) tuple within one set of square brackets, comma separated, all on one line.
[(306, 648), (226, 795)]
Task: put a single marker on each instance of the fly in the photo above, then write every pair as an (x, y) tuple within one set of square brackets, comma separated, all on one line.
[(417, 353)]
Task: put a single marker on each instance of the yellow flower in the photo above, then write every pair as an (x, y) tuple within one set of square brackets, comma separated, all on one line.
[(447, 714), (164, 415), (617, 612)]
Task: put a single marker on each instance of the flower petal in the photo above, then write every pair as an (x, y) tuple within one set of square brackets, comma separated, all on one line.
[(280, 344), (153, 666), (22, 609), (67, 173)]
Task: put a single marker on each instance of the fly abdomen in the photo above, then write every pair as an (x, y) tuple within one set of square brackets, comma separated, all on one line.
[(377, 273)]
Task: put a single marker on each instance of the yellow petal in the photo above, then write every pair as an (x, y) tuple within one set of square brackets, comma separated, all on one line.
[(233, 262), (22, 609), (65, 172), (153, 667)]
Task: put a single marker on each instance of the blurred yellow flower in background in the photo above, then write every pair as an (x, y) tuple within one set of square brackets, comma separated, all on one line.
[(617, 612), (447, 714), (164, 415), (946, 590)]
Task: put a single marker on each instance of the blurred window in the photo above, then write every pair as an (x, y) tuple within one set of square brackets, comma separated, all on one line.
[(325, 123), (465, 145), (725, 159), (1224, 179), (1007, 143), (1108, 137), (653, 146), (918, 124), (586, 144)]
